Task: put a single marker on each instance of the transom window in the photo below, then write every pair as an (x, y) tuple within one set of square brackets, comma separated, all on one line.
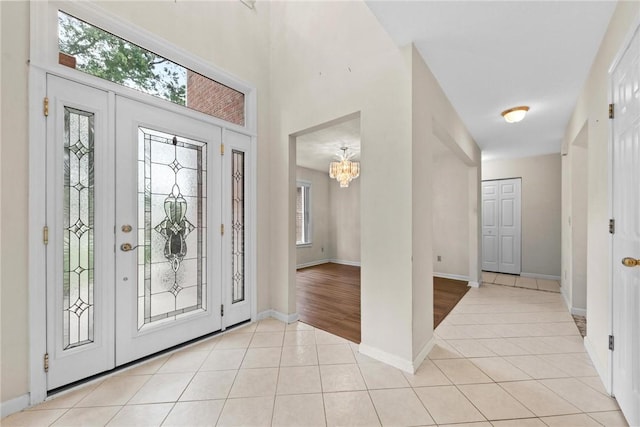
[(94, 51)]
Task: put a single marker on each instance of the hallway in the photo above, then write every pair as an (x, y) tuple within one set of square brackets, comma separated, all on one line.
[(502, 354)]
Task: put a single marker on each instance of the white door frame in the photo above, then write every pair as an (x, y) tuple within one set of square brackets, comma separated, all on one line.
[(608, 382), (43, 61)]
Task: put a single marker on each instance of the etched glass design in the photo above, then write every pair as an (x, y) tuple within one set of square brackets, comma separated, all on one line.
[(172, 226), (237, 224), (78, 262)]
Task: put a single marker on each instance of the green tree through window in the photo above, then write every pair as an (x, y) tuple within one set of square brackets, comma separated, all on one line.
[(104, 55)]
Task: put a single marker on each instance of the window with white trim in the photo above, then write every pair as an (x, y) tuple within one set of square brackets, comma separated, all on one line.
[(303, 213)]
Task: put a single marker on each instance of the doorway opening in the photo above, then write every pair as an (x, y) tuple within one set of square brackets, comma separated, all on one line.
[(327, 215)]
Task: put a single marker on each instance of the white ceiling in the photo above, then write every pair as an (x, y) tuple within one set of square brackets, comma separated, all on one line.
[(315, 150), (490, 56)]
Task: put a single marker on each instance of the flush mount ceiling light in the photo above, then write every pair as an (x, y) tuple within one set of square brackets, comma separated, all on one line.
[(344, 170), (515, 114)]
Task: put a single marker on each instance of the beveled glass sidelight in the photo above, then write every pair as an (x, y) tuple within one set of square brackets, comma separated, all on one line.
[(237, 224), (78, 245), (172, 216)]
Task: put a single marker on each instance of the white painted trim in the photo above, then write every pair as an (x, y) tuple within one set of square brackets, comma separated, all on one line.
[(603, 371), (14, 405), (286, 318), (312, 263), (540, 276), (37, 250), (426, 349), (451, 276), (388, 358), (474, 284), (345, 262), (579, 311)]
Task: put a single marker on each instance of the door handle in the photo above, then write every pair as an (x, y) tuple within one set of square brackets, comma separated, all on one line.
[(126, 247), (630, 262)]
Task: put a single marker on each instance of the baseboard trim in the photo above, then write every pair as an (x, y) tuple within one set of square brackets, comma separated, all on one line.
[(426, 349), (312, 263), (579, 311), (474, 284), (14, 405), (602, 371), (540, 276), (286, 318), (345, 262), (388, 358), (451, 276)]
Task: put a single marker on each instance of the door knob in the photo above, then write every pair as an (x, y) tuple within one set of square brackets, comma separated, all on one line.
[(630, 262), (126, 247)]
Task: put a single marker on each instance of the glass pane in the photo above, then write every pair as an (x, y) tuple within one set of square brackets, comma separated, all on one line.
[(94, 51), (172, 205), (77, 292), (237, 224)]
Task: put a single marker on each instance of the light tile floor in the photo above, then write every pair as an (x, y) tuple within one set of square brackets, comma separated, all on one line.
[(504, 357), (521, 282)]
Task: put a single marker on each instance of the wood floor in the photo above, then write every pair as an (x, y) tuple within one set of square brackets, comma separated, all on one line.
[(446, 294), (328, 298)]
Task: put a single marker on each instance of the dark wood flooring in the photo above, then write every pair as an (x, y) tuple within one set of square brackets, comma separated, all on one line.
[(446, 294), (328, 298)]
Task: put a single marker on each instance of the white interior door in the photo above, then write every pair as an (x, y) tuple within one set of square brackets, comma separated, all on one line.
[(490, 245), (80, 257), (509, 224), (501, 226), (168, 210), (626, 239)]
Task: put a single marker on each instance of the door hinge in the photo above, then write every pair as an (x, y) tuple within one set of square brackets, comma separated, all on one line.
[(612, 226), (46, 362), (611, 342), (222, 149), (45, 106), (45, 235), (222, 229), (221, 310), (611, 111)]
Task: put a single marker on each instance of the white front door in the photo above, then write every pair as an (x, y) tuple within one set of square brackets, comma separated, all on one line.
[(626, 239), (167, 204), (501, 227), (138, 258)]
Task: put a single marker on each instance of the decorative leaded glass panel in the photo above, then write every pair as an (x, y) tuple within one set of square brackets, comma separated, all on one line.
[(78, 262), (237, 223), (172, 226)]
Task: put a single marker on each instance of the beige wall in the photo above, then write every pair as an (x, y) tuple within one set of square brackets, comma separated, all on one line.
[(541, 208), (591, 109), (320, 248), (450, 214), (344, 227), (14, 334)]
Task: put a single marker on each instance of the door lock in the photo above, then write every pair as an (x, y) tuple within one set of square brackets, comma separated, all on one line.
[(126, 228), (630, 262)]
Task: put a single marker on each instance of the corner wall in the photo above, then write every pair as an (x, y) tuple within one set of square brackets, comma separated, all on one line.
[(344, 224), (591, 108), (541, 208)]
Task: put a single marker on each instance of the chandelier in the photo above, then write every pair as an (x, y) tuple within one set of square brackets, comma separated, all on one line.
[(344, 170)]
